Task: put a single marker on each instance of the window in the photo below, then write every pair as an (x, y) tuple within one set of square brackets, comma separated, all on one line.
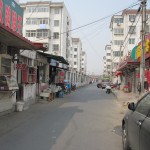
[(55, 47), (131, 41), (108, 60), (56, 35), (117, 53), (75, 63), (75, 49), (143, 106), (56, 23), (30, 33), (75, 56), (36, 9), (32, 21), (42, 20), (118, 20), (42, 9), (108, 54), (42, 33), (132, 29), (147, 29), (31, 9), (115, 65), (56, 10), (5, 65), (118, 31), (118, 42), (108, 48), (108, 67), (132, 18)]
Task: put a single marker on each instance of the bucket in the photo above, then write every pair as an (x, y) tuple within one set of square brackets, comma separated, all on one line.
[(61, 94), (20, 106)]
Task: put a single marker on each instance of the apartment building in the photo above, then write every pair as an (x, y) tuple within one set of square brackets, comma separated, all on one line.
[(126, 31), (126, 35), (48, 23), (108, 59), (77, 54), (104, 66), (117, 30), (83, 63)]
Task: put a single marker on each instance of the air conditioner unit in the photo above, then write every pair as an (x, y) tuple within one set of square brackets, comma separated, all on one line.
[(132, 19), (45, 45), (118, 24)]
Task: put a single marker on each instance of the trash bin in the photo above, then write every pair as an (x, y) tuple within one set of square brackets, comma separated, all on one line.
[(61, 94), (20, 106)]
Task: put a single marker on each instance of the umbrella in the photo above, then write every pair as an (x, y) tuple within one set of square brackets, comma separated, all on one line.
[(133, 53)]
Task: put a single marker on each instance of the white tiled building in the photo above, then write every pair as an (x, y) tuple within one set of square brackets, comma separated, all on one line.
[(83, 63), (125, 29), (48, 22), (104, 66), (108, 58), (76, 54)]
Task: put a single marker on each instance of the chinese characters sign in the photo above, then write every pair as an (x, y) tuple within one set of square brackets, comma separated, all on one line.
[(11, 15)]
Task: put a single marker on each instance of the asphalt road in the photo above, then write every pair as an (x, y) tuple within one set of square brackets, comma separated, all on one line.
[(87, 119)]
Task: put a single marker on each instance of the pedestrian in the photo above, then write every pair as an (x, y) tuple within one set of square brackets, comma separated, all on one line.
[(108, 89), (139, 87), (69, 87)]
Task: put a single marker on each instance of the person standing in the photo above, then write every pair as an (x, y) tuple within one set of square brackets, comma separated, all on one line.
[(139, 87)]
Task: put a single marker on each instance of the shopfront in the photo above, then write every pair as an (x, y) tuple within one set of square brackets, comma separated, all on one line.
[(127, 73), (11, 42)]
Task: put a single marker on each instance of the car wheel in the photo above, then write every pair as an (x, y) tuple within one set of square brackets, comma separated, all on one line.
[(125, 142)]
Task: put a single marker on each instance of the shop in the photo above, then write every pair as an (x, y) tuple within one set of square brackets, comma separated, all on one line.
[(11, 42), (126, 74), (42, 73)]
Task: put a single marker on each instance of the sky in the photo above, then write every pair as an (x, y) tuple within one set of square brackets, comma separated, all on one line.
[(96, 36)]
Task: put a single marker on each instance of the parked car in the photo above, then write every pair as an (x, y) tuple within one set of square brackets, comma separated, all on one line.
[(136, 125)]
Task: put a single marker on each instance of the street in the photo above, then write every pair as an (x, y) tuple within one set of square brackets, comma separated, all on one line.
[(87, 119)]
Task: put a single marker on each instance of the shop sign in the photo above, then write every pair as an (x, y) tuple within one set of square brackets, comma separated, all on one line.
[(11, 15), (21, 66), (147, 48)]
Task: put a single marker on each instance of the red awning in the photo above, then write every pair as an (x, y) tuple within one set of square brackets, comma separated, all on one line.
[(14, 39), (118, 73), (128, 64)]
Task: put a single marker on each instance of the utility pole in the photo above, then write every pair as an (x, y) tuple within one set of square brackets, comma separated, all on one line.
[(142, 62)]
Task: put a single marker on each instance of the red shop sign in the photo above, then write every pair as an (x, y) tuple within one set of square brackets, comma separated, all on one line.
[(21, 66)]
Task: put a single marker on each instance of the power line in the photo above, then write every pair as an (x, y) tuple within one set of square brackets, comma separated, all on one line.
[(131, 33), (91, 23), (132, 25), (33, 12)]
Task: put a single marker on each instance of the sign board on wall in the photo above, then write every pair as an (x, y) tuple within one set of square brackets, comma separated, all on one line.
[(21, 66), (11, 15)]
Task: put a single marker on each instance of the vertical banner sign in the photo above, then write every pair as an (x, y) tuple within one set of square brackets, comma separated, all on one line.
[(11, 15)]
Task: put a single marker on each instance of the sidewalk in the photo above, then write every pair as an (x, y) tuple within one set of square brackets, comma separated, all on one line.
[(125, 98)]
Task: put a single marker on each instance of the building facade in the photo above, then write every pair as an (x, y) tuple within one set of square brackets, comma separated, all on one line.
[(77, 54), (108, 59), (126, 37), (126, 33), (48, 23), (83, 63)]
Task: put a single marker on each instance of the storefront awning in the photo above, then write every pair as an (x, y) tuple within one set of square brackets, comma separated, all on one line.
[(14, 39), (57, 58), (128, 64)]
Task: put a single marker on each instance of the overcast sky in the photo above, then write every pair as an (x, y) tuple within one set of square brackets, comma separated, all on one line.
[(96, 36)]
